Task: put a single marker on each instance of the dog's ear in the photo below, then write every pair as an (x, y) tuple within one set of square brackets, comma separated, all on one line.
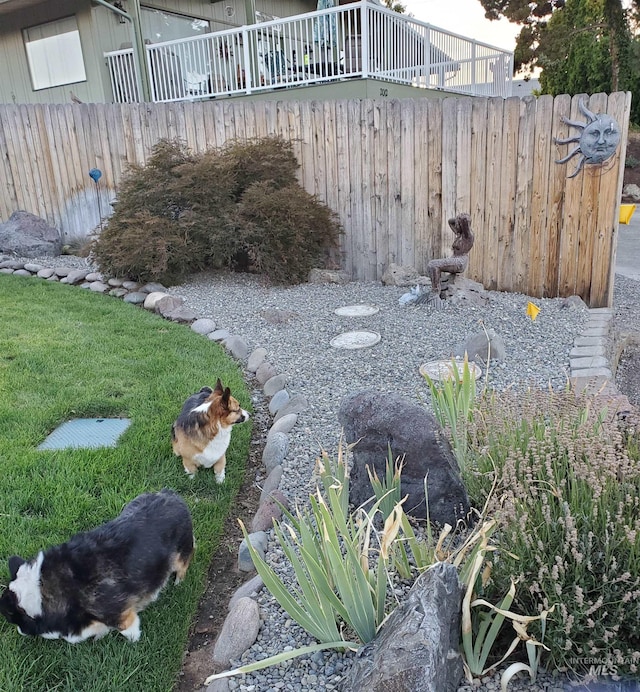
[(15, 562), (225, 397), (218, 389)]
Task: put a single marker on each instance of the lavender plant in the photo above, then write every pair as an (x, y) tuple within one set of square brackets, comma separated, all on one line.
[(567, 503)]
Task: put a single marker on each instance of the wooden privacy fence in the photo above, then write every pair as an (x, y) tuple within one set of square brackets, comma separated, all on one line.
[(393, 170)]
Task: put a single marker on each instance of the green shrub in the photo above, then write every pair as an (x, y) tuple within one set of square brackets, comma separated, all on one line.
[(285, 231), (209, 184), (146, 247), (238, 207), (567, 503), (453, 400), (168, 216), (260, 160), (152, 187)]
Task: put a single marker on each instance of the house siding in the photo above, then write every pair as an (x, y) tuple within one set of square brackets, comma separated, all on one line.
[(214, 12), (94, 27), (100, 31), (284, 8)]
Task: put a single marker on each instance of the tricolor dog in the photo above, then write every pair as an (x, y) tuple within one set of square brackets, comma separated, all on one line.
[(101, 579), (202, 432)]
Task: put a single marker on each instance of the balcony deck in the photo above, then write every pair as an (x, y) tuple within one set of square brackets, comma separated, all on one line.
[(359, 40)]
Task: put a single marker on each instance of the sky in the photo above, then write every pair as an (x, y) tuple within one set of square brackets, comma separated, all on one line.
[(464, 17)]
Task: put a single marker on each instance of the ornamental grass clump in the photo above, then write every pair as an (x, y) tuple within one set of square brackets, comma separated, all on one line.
[(566, 500), (341, 563), (453, 400)]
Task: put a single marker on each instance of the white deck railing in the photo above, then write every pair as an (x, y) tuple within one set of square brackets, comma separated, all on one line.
[(357, 40)]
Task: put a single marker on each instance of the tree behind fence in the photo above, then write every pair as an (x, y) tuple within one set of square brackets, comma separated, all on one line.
[(394, 171)]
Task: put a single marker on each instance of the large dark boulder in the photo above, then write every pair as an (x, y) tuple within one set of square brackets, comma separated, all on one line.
[(27, 235), (417, 648), (377, 421)]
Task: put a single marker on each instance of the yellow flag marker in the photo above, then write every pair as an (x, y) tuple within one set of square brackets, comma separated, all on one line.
[(532, 310)]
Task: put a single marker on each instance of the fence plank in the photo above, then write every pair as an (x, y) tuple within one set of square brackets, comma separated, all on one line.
[(116, 143), (48, 171), (8, 188), (539, 193), (434, 138), (588, 221), (198, 122), (357, 193), (344, 181), (555, 199), (190, 136), (422, 233), (568, 251), (209, 117), (65, 163), (604, 257), (366, 233), (261, 120), (16, 145), (33, 162), (97, 119), (79, 217), (379, 245), (88, 138), (407, 195), (270, 116), (492, 191), (127, 128), (319, 160), (449, 176), (294, 118), (393, 223), (524, 178), (330, 153), (306, 147), (508, 173), (137, 117), (478, 170), (220, 115), (463, 157), (58, 173)]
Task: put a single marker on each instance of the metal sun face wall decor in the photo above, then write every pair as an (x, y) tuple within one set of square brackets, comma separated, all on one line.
[(597, 142)]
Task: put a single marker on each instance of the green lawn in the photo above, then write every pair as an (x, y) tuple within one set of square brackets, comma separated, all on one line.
[(67, 353)]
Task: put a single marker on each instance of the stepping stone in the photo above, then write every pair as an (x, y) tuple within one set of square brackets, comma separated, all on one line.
[(355, 340), (357, 310)]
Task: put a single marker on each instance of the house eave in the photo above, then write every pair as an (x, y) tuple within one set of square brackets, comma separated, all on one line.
[(10, 6)]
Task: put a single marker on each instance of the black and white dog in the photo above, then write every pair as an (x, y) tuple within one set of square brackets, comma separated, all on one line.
[(101, 579)]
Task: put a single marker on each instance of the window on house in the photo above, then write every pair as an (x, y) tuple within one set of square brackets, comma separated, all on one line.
[(158, 25), (54, 53)]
